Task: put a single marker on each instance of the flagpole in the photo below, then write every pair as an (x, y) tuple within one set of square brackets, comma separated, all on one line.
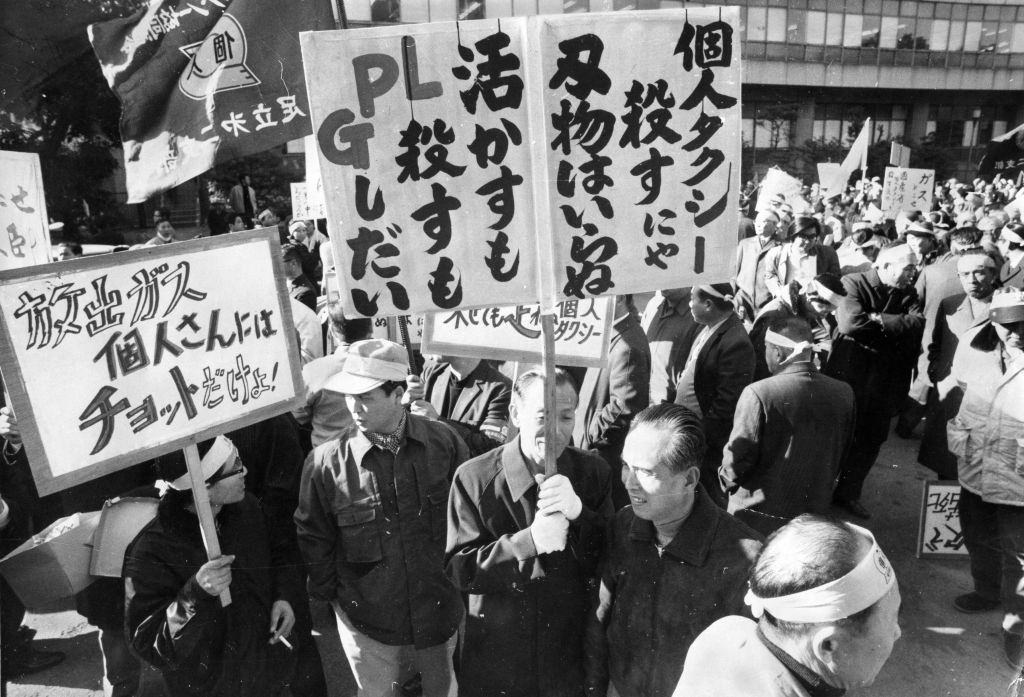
[(864, 155)]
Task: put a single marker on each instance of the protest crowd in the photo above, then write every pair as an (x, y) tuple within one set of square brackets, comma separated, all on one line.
[(689, 542)]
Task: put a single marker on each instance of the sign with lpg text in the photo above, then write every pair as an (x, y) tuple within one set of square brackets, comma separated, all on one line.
[(544, 158), (114, 359)]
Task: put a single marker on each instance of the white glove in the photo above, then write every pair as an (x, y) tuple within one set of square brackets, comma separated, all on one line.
[(549, 532), (557, 495)]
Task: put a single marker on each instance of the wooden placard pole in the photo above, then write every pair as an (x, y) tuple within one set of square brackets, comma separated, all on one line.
[(403, 331), (201, 500), (547, 327)]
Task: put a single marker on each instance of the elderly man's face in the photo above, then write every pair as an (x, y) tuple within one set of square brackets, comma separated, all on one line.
[(896, 276), (977, 275), (765, 225), (861, 652), (527, 413), (656, 492)]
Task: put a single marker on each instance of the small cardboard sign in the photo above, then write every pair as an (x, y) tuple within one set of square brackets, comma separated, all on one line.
[(939, 534), (512, 333), (907, 189)]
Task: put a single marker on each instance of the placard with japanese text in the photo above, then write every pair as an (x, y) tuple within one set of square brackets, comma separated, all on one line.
[(906, 189), (114, 359), (425, 161), (24, 232), (527, 159), (939, 533), (512, 333)]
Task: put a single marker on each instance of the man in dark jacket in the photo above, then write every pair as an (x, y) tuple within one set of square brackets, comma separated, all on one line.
[(173, 616), (469, 395), (880, 325), (791, 433), (524, 549), (676, 562), (299, 286), (670, 329), (612, 395), (719, 366), (372, 522)]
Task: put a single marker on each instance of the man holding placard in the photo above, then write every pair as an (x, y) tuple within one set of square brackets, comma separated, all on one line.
[(523, 548), (371, 526)]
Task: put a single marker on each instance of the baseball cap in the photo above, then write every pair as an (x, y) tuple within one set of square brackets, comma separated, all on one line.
[(1007, 307), (222, 452), (369, 364)]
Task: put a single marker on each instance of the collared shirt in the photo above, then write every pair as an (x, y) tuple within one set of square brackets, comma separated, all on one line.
[(801, 266), (371, 527), (809, 680), (657, 603), (686, 390), (670, 330)]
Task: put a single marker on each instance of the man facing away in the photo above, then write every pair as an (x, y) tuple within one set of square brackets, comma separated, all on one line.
[(371, 527), (826, 602), (789, 436), (523, 548), (676, 562)]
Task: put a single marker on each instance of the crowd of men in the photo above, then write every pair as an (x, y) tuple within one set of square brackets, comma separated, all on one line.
[(683, 541)]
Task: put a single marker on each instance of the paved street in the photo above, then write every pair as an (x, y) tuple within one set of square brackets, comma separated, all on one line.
[(942, 651)]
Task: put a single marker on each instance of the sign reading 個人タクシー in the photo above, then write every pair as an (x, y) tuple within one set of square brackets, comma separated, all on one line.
[(114, 359), (527, 159)]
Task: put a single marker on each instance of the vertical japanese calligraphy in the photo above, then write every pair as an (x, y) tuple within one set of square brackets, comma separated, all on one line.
[(642, 148), (906, 189), (113, 359), (460, 159), (24, 235), (424, 155)]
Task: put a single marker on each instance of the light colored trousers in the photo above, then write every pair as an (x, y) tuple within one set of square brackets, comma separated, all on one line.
[(378, 668)]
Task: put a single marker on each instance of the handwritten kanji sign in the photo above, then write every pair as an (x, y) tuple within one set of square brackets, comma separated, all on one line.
[(527, 158), (906, 189), (425, 159), (24, 234), (115, 359), (641, 121), (512, 333), (305, 203), (939, 533)]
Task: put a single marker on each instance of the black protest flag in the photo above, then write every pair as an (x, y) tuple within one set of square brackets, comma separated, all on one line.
[(205, 81), (1004, 155)]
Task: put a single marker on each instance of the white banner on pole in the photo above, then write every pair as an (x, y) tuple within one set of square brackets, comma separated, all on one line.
[(24, 228)]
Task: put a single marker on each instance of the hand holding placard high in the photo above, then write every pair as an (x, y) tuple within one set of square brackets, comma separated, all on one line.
[(214, 576), (557, 496)]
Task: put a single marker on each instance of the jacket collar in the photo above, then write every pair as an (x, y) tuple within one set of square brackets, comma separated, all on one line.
[(359, 444), (692, 542)]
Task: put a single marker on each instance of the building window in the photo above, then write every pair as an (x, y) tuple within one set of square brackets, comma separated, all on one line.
[(757, 23), (768, 124), (815, 28), (870, 30), (776, 24)]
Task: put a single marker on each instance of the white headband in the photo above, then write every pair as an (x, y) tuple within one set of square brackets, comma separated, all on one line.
[(785, 342), (221, 452), (858, 590)]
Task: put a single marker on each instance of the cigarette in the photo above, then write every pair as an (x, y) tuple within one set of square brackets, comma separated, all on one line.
[(286, 643)]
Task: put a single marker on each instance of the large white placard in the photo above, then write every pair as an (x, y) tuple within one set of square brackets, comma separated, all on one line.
[(114, 359), (453, 154)]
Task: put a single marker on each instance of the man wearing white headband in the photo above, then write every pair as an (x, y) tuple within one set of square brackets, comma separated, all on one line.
[(877, 344), (826, 602), (173, 617), (985, 436), (790, 434)]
